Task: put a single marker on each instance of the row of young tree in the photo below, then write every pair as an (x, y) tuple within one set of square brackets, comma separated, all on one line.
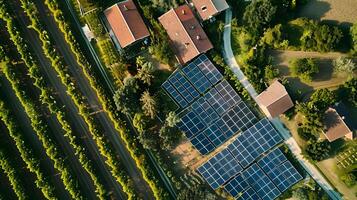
[(104, 146), (135, 149), (43, 132), (53, 105), (13, 174)]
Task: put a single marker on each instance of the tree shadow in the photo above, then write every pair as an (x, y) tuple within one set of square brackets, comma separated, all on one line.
[(298, 90), (315, 9), (325, 70)]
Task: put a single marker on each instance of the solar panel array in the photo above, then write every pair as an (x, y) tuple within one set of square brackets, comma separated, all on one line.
[(280, 170), (210, 105), (219, 169), (253, 142), (260, 182), (208, 69)]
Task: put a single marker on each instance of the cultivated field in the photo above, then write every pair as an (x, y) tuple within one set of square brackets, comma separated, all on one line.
[(342, 12)]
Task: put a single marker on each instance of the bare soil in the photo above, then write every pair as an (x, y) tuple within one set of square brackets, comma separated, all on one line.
[(343, 12)]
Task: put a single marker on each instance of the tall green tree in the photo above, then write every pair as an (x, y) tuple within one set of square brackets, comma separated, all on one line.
[(148, 104), (126, 97), (259, 14), (304, 68), (146, 73)]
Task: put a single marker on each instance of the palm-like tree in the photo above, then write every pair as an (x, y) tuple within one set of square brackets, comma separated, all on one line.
[(149, 105)]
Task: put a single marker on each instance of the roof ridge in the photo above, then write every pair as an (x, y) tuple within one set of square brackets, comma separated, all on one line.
[(126, 23)]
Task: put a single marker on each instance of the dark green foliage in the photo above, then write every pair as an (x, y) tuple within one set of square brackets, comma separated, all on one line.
[(314, 110), (126, 97), (305, 134), (271, 72), (274, 37), (259, 14), (148, 104), (197, 192), (353, 32), (350, 178), (318, 151), (304, 68), (300, 194), (348, 91)]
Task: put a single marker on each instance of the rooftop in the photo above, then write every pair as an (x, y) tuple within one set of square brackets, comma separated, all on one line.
[(334, 125), (208, 8), (126, 23), (275, 100), (187, 36)]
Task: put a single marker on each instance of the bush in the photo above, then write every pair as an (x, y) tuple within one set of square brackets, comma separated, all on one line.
[(344, 65), (349, 179), (318, 151), (353, 32), (304, 68), (271, 72)]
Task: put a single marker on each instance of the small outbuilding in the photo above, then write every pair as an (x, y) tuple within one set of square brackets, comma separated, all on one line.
[(125, 23), (275, 100), (209, 8), (187, 37), (338, 123)]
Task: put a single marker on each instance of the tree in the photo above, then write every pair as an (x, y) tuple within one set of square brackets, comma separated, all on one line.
[(349, 179), (304, 68), (274, 37), (119, 70), (126, 97), (149, 105), (271, 72), (172, 119), (139, 122), (353, 32), (349, 91), (259, 15), (321, 99), (169, 136), (318, 151), (146, 72), (300, 194), (344, 65)]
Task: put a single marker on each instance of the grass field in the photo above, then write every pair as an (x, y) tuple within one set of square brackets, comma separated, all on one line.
[(324, 79), (343, 12)]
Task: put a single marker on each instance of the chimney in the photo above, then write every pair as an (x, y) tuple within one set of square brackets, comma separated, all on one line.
[(343, 117), (125, 8), (198, 37), (183, 11)]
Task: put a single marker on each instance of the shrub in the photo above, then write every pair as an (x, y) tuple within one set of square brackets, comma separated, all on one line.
[(344, 65), (349, 179), (318, 151), (304, 68)]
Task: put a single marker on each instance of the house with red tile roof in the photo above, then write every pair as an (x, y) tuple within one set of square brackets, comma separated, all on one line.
[(338, 123), (187, 37), (275, 100), (209, 8), (125, 23)]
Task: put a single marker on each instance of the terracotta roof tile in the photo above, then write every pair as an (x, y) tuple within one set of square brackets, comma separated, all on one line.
[(126, 23), (186, 34)]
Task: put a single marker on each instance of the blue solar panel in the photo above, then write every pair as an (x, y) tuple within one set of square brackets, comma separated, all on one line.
[(174, 94), (236, 186), (228, 93), (219, 169), (215, 135), (284, 176), (202, 144), (260, 182), (236, 119), (208, 69), (253, 142), (216, 101), (205, 111), (191, 124), (272, 160), (248, 194), (184, 87), (196, 77)]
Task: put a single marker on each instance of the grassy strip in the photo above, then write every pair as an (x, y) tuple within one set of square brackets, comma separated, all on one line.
[(136, 151), (104, 146), (12, 172), (55, 108)]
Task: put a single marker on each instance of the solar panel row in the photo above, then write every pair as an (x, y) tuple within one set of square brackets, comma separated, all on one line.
[(196, 77), (174, 94), (253, 142), (208, 69), (272, 160), (219, 169), (188, 92)]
